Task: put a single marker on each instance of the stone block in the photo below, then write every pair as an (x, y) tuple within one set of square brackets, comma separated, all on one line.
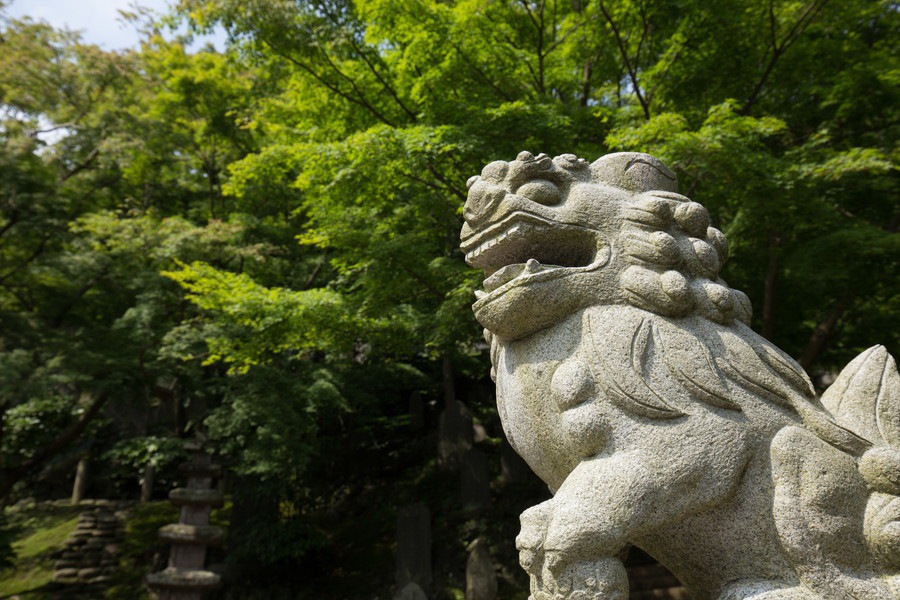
[(87, 573), (67, 573), (196, 497)]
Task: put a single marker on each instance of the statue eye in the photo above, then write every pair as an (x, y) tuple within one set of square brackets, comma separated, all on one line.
[(540, 191)]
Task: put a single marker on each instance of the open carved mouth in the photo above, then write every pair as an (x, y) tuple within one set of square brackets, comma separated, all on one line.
[(524, 249)]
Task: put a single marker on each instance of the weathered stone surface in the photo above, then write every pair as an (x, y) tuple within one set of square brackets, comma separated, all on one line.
[(628, 379), (481, 580), (65, 564), (196, 497), (65, 573), (200, 470), (88, 573), (413, 545), (192, 534), (177, 579)]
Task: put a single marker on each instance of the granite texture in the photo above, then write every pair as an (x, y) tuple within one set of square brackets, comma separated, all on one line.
[(629, 380)]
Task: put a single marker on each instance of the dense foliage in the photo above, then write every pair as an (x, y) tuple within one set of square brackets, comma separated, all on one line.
[(261, 243)]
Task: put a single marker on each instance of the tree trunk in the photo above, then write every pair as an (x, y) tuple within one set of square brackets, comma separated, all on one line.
[(79, 488), (822, 333), (771, 284), (147, 483), (11, 475)]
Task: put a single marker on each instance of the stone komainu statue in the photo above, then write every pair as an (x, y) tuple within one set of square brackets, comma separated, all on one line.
[(629, 380)]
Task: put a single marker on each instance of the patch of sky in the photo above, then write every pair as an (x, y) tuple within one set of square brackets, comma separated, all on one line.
[(101, 22)]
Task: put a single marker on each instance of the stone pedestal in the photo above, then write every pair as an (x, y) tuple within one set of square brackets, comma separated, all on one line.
[(185, 578)]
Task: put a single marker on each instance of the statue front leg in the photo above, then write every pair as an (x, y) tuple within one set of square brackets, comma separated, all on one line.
[(565, 560), (572, 541)]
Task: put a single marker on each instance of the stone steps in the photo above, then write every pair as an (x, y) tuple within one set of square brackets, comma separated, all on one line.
[(85, 566)]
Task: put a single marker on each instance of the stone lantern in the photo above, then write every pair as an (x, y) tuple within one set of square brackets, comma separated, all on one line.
[(185, 578)]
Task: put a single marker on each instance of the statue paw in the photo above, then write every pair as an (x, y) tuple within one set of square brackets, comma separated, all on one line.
[(603, 579), (530, 541)]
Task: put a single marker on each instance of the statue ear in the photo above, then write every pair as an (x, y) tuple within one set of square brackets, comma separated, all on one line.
[(634, 171)]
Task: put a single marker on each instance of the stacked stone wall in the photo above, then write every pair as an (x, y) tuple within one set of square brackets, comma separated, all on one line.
[(85, 566)]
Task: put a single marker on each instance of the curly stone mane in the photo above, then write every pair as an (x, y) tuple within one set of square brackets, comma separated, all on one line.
[(675, 257), (671, 260)]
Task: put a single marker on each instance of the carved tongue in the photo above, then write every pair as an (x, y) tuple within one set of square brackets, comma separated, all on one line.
[(510, 272), (504, 275)]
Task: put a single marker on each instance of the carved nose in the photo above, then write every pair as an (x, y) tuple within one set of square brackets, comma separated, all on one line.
[(482, 202)]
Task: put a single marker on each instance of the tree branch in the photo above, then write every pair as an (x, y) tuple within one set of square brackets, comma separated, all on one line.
[(778, 50), (13, 215), (37, 252), (538, 22), (315, 273), (91, 157), (362, 54), (12, 475), (384, 84), (821, 334), (478, 71), (458, 192), (570, 31), (361, 101), (632, 69), (58, 321)]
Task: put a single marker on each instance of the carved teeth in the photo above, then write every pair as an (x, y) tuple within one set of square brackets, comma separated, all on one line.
[(517, 231), (532, 266), (479, 294)]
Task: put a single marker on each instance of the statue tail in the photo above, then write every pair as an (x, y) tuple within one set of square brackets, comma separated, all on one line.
[(865, 399)]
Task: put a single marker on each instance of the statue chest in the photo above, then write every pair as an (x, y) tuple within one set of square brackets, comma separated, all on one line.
[(544, 385)]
